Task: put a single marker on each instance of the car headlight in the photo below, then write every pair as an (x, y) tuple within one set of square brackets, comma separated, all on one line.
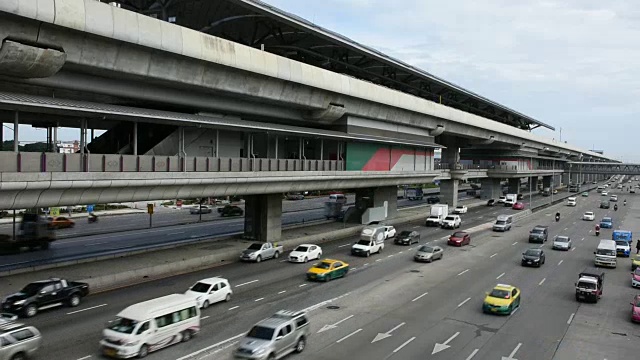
[(19, 302)]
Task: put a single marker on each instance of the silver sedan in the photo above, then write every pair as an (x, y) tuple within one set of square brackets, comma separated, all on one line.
[(428, 253)]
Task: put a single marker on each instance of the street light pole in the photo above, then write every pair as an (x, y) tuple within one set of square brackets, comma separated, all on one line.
[(530, 184), (553, 178)]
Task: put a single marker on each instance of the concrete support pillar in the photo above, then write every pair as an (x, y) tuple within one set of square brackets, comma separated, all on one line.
[(546, 181), (263, 217), (376, 197), (534, 183), (16, 128), (514, 186), (566, 178), (449, 192), (491, 188), (575, 178), (450, 154)]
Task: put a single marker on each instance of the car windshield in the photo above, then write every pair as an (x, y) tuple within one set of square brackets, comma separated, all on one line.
[(433, 217), (606, 252), (459, 234), (500, 294), (450, 218), (405, 233), (637, 272), (562, 239), (255, 246), (200, 287), (123, 325), (589, 213), (323, 265), (261, 332), (302, 249), (427, 249), (459, 207), (31, 289), (606, 220), (532, 252), (537, 231), (622, 243), (500, 222)]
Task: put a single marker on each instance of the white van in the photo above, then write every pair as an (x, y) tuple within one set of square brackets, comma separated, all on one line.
[(606, 254), (338, 198), (151, 325), (571, 201), (503, 223)]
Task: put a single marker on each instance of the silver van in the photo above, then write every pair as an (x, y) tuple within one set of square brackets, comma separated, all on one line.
[(338, 198), (18, 341), (503, 223), (275, 337), (606, 254)]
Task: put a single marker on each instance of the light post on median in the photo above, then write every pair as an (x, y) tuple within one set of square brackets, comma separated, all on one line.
[(553, 179), (530, 184)]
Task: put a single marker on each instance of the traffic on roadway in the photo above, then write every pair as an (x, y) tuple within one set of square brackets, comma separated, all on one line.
[(387, 304)]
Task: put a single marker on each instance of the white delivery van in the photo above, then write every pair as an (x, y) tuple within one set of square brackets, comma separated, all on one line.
[(510, 199), (151, 325), (606, 254), (437, 213), (371, 241), (571, 201)]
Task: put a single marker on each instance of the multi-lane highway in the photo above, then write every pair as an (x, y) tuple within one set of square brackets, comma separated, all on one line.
[(114, 242), (418, 305)]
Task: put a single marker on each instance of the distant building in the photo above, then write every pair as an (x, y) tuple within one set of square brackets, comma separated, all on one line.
[(68, 147)]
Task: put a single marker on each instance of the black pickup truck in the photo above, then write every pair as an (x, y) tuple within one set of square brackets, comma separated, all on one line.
[(45, 294)]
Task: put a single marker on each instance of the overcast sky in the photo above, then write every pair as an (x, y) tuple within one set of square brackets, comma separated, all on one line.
[(573, 64)]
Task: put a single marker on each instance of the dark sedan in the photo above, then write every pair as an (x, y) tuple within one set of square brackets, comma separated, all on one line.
[(533, 257), (459, 238), (433, 200), (407, 238), (231, 210)]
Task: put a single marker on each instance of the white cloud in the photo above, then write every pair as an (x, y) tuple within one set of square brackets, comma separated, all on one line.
[(570, 63)]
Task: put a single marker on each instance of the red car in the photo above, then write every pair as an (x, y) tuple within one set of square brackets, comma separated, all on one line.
[(635, 309), (518, 206), (459, 238)]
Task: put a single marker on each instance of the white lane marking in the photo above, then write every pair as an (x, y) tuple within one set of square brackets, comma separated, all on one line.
[(85, 357), (247, 283), (378, 260), (89, 308), (582, 239), (464, 302), (334, 325), (514, 351), (570, 318), (94, 244), (205, 317), (404, 344), (400, 252), (574, 223), (419, 297), (499, 276), (302, 285), (175, 233), (540, 246), (462, 272), (282, 292), (560, 262), (513, 312), (415, 227), (284, 260), (344, 245), (493, 255), (365, 264), (573, 248), (514, 243), (472, 354), (566, 228), (258, 299), (348, 336), (189, 356), (233, 307), (390, 255), (542, 281)]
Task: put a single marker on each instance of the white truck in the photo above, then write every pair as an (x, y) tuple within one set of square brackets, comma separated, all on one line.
[(511, 199), (371, 240), (261, 251), (438, 213)]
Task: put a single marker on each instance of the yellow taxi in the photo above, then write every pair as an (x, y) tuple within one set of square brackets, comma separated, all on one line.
[(503, 299), (635, 261), (328, 269), (61, 222)]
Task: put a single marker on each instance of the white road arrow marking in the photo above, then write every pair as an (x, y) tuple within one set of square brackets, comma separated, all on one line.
[(510, 357), (445, 345), (382, 336), (334, 325)]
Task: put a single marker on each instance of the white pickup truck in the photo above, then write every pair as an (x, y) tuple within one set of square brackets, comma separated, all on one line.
[(261, 251), (371, 240)]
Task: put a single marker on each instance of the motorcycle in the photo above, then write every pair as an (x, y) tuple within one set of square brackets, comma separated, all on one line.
[(92, 219), (615, 207), (597, 231), (557, 218)]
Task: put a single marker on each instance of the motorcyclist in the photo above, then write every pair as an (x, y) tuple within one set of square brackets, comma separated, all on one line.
[(615, 207), (597, 229), (625, 202), (93, 217), (558, 216)]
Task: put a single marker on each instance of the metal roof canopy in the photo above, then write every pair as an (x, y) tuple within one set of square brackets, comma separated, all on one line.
[(257, 24), (101, 112)]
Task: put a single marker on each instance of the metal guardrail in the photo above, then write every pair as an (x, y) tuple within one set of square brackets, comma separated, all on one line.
[(53, 162)]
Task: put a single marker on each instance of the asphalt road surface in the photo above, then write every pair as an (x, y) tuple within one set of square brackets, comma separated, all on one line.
[(416, 305), (118, 242)]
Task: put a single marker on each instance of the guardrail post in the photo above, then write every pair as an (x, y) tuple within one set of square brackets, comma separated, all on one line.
[(153, 163), (121, 163), (43, 162), (19, 163), (104, 164), (64, 162)]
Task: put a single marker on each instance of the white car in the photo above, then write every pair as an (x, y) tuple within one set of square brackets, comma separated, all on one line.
[(460, 209), (389, 232), (502, 199), (589, 216), (305, 252), (451, 222), (209, 291), (562, 243), (604, 193), (571, 201)]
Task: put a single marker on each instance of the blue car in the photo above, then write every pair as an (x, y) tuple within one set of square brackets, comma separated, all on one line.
[(606, 223)]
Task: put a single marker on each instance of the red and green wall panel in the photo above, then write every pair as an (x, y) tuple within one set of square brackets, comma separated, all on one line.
[(377, 157)]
